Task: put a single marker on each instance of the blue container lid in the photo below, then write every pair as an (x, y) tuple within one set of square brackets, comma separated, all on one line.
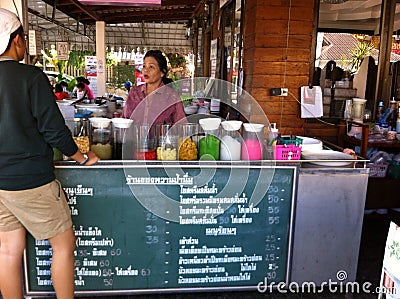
[(87, 114)]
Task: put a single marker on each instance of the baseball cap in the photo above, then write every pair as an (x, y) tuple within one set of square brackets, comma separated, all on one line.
[(9, 22)]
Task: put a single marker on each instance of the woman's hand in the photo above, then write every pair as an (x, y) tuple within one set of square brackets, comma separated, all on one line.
[(350, 152)]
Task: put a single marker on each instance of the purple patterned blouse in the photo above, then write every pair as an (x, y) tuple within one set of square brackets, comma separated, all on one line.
[(163, 106)]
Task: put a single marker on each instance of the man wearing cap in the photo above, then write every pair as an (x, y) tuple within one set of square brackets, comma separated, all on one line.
[(30, 197)]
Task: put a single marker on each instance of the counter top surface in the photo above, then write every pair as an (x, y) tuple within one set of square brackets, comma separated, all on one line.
[(359, 163)]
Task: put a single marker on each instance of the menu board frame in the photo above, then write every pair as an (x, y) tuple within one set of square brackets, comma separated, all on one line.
[(220, 169)]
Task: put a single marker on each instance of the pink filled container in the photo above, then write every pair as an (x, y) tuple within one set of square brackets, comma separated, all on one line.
[(253, 141)]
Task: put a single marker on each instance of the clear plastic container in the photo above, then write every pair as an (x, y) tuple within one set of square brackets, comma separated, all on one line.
[(231, 140), (81, 133), (101, 137), (167, 148), (347, 109), (119, 128), (145, 142), (253, 141), (188, 141), (358, 108)]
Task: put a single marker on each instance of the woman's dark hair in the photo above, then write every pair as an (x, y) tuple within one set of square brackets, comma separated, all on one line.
[(58, 88), (162, 63), (80, 85), (19, 31), (82, 80)]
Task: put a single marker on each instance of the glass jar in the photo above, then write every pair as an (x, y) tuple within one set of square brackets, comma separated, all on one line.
[(188, 141), (230, 140), (347, 109), (253, 140), (166, 143), (81, 129), (144, 142), (381, 109), (398, 125), (209, 145), (358, 109), (101, 137), (119, 128), (392, 117)]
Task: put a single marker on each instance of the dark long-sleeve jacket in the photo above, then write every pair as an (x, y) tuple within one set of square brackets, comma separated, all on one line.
[(31, 124)]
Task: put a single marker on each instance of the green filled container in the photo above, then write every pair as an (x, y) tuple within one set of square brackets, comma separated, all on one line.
[(209, 147), (394, 170)]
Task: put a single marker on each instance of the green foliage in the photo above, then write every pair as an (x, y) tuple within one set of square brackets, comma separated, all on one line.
[(344, 63), (71, 84), (76, 59), (176, 60), (71, 81), (178, 66), (51, 57), (395, 250), (111, 59), (173, 76), (358, 53), (348, 68), (186, 99), (121, 74)]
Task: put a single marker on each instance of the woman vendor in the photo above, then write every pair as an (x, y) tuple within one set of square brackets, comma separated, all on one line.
[(163, 104)]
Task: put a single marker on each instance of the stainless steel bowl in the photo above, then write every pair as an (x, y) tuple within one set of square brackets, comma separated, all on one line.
[(97, 111)]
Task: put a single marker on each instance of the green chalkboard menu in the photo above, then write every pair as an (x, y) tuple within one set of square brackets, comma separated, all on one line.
[(170, 227)]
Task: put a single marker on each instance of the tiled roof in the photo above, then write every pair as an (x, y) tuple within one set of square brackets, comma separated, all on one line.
[(339, 45)]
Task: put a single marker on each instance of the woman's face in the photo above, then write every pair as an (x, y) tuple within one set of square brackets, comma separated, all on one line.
[(151, 71)]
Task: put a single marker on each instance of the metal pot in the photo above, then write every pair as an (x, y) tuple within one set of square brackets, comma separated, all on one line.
[(97, 111)]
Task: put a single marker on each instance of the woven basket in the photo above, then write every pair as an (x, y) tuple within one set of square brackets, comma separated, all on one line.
[(377, 170)]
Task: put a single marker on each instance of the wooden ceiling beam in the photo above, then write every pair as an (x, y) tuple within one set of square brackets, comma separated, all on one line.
[(170, 10), (85, 9), (149, 18), (170, 18), (143, 15), (178, 2), (188, 3)]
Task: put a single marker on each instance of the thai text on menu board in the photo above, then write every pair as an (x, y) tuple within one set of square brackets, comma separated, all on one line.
[(217, 241)]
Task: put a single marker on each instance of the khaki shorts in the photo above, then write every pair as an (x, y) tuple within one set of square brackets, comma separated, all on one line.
[(43, 211)]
